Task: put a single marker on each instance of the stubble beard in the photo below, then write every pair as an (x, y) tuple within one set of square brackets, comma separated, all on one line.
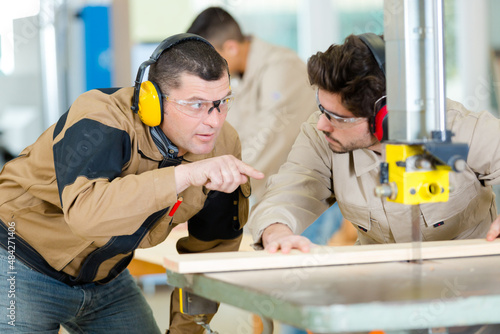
[(345, 149)]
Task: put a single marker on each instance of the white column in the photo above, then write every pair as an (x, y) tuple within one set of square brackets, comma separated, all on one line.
[(317, 26), (473, 54)]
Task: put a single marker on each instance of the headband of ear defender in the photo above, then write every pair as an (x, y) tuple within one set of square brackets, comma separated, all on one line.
[(147, 99), (379, 120), (377, 46)]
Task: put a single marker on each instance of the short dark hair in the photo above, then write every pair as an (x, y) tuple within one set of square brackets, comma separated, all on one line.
[(351, 71), (193, 57), (217, 26)]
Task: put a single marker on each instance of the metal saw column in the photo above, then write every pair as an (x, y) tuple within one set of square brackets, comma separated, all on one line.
[(415, 77)]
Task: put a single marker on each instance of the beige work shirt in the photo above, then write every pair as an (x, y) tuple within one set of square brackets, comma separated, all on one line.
[(272, 100), (314, 177)]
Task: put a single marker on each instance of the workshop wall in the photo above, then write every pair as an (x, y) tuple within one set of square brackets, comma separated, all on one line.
[(48, 49)]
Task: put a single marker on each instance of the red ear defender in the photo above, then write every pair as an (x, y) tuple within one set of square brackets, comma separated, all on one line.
[(380, 125)]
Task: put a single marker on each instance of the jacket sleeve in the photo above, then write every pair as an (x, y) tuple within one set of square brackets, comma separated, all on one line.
[(96, 198), (480, 131), (302, 189)]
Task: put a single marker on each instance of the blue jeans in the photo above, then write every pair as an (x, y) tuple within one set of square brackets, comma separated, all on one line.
[(319, 233), (32, 302), (325, 226)]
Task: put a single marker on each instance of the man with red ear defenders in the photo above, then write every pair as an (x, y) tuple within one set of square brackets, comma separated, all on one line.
[(117, 172), (337, 156)]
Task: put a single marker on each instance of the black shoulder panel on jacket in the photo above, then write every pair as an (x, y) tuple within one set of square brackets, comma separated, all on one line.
[(90, 149), (218, 219), (108, 90)]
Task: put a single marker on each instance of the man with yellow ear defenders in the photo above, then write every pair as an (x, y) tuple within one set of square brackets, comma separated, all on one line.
[(117, 172)]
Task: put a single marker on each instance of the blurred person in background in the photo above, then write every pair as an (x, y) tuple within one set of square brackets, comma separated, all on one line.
[(272, 94)]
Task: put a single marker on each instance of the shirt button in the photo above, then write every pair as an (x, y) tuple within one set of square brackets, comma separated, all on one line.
[(171, 151)]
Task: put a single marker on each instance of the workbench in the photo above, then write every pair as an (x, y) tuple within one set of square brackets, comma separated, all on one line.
[(393, 296)]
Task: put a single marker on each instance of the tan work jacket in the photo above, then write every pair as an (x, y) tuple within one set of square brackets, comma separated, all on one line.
[(314, 177), (89, 191), (272, 100)]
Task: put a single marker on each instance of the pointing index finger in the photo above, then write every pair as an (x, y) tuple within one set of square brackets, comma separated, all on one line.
[(250, 171)]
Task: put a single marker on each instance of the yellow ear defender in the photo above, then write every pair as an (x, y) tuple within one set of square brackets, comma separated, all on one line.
[(147, 101), (150, 104)]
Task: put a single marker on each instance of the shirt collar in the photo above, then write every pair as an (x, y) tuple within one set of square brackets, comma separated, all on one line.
[(365, 160)]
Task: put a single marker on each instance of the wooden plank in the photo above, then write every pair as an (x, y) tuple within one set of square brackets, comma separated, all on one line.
[(327, 256), (156, 254)]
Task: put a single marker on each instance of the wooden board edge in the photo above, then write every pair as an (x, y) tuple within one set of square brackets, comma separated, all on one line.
[(327, 255)]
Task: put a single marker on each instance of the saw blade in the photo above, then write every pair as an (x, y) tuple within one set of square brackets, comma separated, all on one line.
[(416, 256), (416, 234)]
